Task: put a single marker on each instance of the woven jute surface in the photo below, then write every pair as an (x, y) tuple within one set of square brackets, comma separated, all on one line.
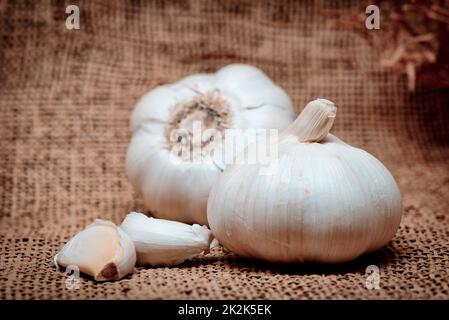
[(65, 101)]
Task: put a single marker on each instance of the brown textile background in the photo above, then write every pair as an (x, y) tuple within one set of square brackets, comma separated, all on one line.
[(65, 101)]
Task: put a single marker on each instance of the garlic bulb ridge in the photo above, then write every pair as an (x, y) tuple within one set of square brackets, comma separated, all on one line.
[(326, 202)]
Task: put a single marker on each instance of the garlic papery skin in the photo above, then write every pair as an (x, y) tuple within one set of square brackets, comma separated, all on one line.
[(101, 250), (324, 202), (162, 242), (168, 163)]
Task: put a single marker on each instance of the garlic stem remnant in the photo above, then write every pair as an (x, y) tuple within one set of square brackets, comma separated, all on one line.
[(179, 131), (161, 242), (325, 202), (314, 122), (101, 250)]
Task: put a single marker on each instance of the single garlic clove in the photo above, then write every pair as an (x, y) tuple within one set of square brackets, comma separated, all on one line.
[(101, 250), (162, 242)]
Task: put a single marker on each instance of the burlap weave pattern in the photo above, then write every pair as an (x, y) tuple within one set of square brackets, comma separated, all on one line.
[(65, 101)]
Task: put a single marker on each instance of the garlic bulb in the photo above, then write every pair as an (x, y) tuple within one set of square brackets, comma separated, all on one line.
[(179, 128), (161, 242), (324, 200), (101, 250)]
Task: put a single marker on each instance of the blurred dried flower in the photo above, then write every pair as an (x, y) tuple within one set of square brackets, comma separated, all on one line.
[(413, 39)]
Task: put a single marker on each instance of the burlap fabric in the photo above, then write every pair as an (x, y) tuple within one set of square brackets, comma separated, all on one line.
[(65, 101)]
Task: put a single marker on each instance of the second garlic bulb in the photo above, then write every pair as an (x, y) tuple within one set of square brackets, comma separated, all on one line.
[(173, 167)]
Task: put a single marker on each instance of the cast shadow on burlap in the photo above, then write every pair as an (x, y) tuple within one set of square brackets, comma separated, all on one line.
[(382, 257)]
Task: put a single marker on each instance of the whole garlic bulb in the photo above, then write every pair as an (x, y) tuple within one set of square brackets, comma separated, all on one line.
[(176, 186), (324, 201), (101, 250), (162, 242)]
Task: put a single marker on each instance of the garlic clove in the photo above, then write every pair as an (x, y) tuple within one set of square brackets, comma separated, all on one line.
[(161, 242), (101, 250)]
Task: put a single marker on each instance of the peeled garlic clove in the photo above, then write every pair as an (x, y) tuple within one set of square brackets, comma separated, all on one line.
[(101, 250), (161, 242)]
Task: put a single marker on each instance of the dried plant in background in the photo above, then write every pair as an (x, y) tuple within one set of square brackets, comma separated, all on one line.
[(412, 40)]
